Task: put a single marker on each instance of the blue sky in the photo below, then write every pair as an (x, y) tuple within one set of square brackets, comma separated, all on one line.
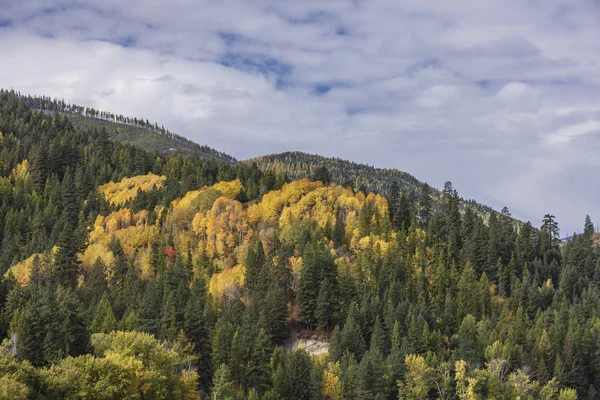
[(501, 98)]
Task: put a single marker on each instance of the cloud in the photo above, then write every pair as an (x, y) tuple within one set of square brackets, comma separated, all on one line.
[(499, 98), (568, 133)]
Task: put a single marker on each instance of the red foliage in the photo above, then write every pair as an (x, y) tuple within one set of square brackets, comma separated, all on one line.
[(171, 253)]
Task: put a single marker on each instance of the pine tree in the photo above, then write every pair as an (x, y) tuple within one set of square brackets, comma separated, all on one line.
[(394, 202), (66, 262), (104, 319), (588, 227), (274, 315), (467, 296), (197, 330), (352, 337), (148, 318), (322, 174), (324, 306), (238, 358), (70, 200), (222, 384), (70, 311), (425, 205), (38, 168), (259, 373), (309, 283), (256, 265), (298, 377)]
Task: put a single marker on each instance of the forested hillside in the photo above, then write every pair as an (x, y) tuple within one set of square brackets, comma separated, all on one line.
[(135, 275), (296, 165), (139, 132)]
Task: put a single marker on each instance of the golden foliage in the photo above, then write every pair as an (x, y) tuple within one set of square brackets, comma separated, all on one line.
[(229, 190), (21, 172), (121, 192), (22, 271), (95, 251), (222, 228), (333, 388), (134, 234), (227, 282), (183, 210), (272, 203)]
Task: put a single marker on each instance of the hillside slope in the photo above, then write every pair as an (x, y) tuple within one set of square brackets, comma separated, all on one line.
[(147, 139), (296, 165), (138, 132), (131, 275)]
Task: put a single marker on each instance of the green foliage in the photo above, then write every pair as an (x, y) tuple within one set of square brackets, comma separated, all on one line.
[(186, 292)]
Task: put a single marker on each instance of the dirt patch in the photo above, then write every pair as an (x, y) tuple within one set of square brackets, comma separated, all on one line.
[(313, 343)]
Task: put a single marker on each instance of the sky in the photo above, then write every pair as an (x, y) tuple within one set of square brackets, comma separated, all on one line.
[(501, 98)]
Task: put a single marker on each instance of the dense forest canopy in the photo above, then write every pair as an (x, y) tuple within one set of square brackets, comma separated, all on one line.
[(296, 165), (128, 274)]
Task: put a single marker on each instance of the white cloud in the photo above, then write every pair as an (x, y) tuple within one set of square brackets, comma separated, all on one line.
[(566, 134), (473, 92)]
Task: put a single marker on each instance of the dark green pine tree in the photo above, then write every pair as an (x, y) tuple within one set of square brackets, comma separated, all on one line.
[(27, 327), (378, 338), (70, 199), (394, 202), (197, 331), (453, 222), (352, 337), (169, 327), (322, 174), (325, 306), (425, 206), (104, 318), (550, 226), (95, 284), (38, 167), (66, 262), (404, 213), (256, 266), (259, 371), (274, 315), (309, 286), (239, 356), (588, 227), (339, 231), (293, 382), (148, 318), (493, 249), (75, 336)]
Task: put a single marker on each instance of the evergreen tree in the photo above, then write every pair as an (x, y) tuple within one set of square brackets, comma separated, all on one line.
[(222, 383), (256, 265), (148, 318), (104, 319), (259, 373), (197, 331), (274, 315), (66, 263)]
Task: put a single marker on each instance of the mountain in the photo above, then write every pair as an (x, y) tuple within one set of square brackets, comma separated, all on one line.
[(296, 165), (128, 274), (139, 132)]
